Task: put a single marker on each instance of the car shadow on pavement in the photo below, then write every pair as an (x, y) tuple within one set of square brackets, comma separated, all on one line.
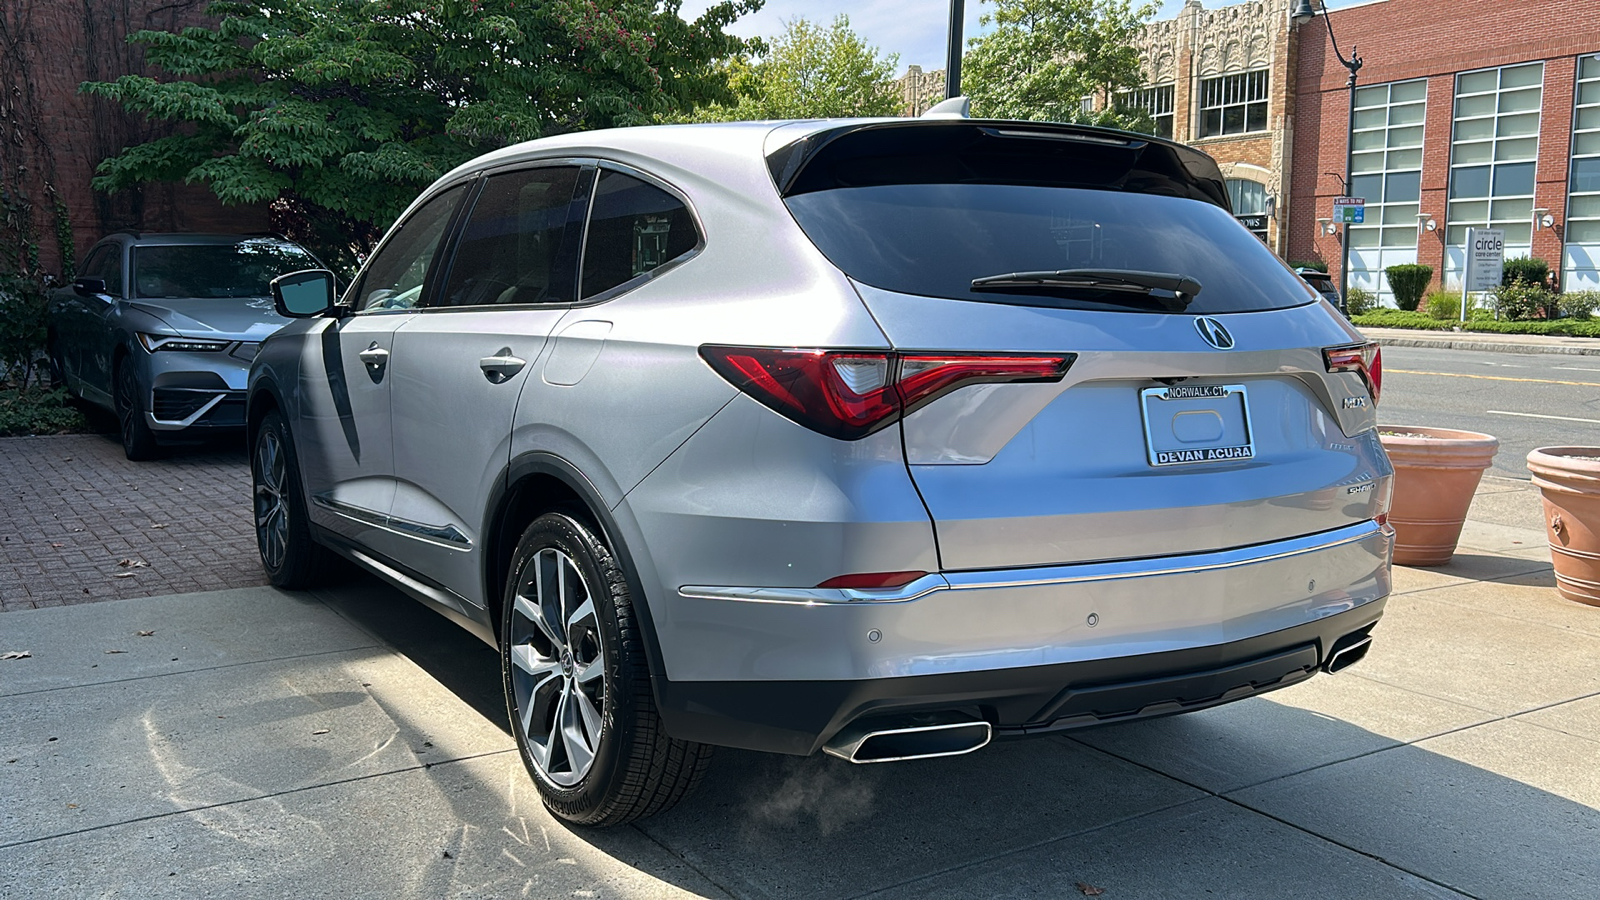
[(1256, 799)]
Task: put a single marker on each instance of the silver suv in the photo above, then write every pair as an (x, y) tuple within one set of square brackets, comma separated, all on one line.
[(879, 438)]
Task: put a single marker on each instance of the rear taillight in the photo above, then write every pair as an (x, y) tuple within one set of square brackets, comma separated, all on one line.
[(849, 394), (1365, 360)]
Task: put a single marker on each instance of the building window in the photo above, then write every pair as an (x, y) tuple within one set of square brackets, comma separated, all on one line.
[(1492, 155), (1157, 102), (1386, 171), (1086, 105), (1580, 262), (1249, 200), (1233, 104)]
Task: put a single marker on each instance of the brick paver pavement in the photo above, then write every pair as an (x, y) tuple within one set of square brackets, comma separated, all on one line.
[(72, 508)]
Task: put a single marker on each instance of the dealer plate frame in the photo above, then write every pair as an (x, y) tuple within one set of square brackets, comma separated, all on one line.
[(1173, 392)]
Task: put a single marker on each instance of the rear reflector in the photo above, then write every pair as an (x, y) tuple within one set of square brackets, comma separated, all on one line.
[(872, 580), (849, 394), (1365, 360)]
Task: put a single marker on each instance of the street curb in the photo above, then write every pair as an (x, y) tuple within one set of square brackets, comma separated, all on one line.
[(1489, 346)]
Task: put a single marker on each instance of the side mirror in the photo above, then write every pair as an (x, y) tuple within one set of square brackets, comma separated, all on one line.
[(303, 295), (89, 287)]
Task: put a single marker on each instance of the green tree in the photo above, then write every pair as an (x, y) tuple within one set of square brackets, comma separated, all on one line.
[(337, 112), (810, 71), (1045, 56)]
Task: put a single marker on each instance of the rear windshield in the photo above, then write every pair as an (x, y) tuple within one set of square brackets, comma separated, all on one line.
[(927, 216), (245, 269)]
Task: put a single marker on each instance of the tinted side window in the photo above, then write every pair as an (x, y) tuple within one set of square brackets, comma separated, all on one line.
[(517, 246), (106, 264), (634, 227), (395, 277)]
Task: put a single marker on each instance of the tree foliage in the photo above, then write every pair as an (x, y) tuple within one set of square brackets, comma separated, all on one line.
[(810, 71), (338, 111), (1045, 56)]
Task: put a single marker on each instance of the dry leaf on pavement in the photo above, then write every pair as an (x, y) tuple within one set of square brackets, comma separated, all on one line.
[(16, 654), (144, 633), (116, 651), (1090, 890), (123, 575), (133, 564)]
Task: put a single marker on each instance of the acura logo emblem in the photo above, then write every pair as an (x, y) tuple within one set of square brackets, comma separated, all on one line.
[(1214, 333)]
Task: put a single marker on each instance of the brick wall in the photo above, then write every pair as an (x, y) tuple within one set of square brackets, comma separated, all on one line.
[(1433, 39), (54, 136)]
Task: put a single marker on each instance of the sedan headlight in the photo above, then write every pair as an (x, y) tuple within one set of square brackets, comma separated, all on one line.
[(154, 342)]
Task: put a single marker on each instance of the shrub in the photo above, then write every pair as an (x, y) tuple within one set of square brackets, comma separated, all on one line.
[(1408, 281), (38, 411), (1309, 264), (23, 323), (1445, 305), (1578, 304), (1359, 301), (1520, 301), (1530, 269)]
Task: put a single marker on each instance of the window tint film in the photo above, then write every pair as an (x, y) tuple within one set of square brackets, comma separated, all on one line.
[(518, 245), (934, 239), (107, 266), (634, 228), (395, 277), (245, 269)]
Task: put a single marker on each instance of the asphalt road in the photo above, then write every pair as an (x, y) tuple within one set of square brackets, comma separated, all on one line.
[(1526, 400)]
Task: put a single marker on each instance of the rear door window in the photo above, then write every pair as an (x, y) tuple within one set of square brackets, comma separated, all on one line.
[(520, 243), (635, 228)]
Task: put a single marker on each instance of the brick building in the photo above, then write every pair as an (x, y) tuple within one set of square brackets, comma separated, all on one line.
[(1468, 113), (1217, 79), (54, 136), (920, 90)]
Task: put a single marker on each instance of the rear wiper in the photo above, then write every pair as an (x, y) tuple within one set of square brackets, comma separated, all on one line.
[(1172, 291)]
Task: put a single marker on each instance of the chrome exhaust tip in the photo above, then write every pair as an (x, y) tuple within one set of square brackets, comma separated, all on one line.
[(902, 739), (1346, 654)]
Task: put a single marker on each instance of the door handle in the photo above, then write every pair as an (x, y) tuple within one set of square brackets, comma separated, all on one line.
[(500, 367), (374, 356)]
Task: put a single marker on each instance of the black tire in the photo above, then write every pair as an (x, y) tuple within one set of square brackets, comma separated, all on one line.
[(636, 769), (292, 559), (58, 373), (138, 441)]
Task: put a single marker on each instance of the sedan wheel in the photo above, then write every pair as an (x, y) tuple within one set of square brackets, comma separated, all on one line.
[(138, 442)]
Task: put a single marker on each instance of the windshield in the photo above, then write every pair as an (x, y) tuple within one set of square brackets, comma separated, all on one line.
[(245, 269), (935, 239)]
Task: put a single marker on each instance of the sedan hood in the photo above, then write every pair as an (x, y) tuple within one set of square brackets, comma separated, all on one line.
[(236, 318)]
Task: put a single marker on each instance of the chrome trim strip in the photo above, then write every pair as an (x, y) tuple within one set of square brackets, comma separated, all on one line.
[(175, 424), (444, 535), (1052, 575)]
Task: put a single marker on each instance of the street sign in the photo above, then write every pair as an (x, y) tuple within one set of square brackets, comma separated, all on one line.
[(1350, 210), (1254, 223), (1486, 253)]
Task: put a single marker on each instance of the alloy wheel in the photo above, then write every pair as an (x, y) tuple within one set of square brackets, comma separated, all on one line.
[(127, 402), (272, 510), (558, 667)]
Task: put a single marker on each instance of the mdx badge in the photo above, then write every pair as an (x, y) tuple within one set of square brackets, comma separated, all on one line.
[(1214, 333)]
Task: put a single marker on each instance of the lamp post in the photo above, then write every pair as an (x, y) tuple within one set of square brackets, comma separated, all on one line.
[(1303, 13), (952, 62)]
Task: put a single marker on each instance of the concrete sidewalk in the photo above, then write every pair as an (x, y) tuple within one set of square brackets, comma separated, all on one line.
[(264, 744), (1478, 340)]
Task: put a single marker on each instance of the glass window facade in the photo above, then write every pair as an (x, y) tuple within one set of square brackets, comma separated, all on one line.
[(1493, 152), (1580, 262), (1386, 170), (1233, 104), (1249, 198), (1157, 101)]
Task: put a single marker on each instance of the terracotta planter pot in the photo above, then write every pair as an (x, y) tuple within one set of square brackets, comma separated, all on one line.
[(1436, 471), (1569, 482)]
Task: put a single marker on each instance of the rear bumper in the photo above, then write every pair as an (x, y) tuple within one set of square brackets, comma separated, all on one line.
[(798, 717), (1028, 649)]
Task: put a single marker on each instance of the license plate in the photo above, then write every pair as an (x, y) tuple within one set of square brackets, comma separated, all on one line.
[(1196, 423)]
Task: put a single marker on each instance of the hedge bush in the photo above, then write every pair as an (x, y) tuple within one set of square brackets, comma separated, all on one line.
[(38, 411), (1309, 264), (1359, 301), (1530, 269), (1445, 305), (1521, 301), (1408, 281), (1394, 318), (1578, 304)]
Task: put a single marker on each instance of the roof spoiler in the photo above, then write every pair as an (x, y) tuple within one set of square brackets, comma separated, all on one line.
[(953, 108)]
